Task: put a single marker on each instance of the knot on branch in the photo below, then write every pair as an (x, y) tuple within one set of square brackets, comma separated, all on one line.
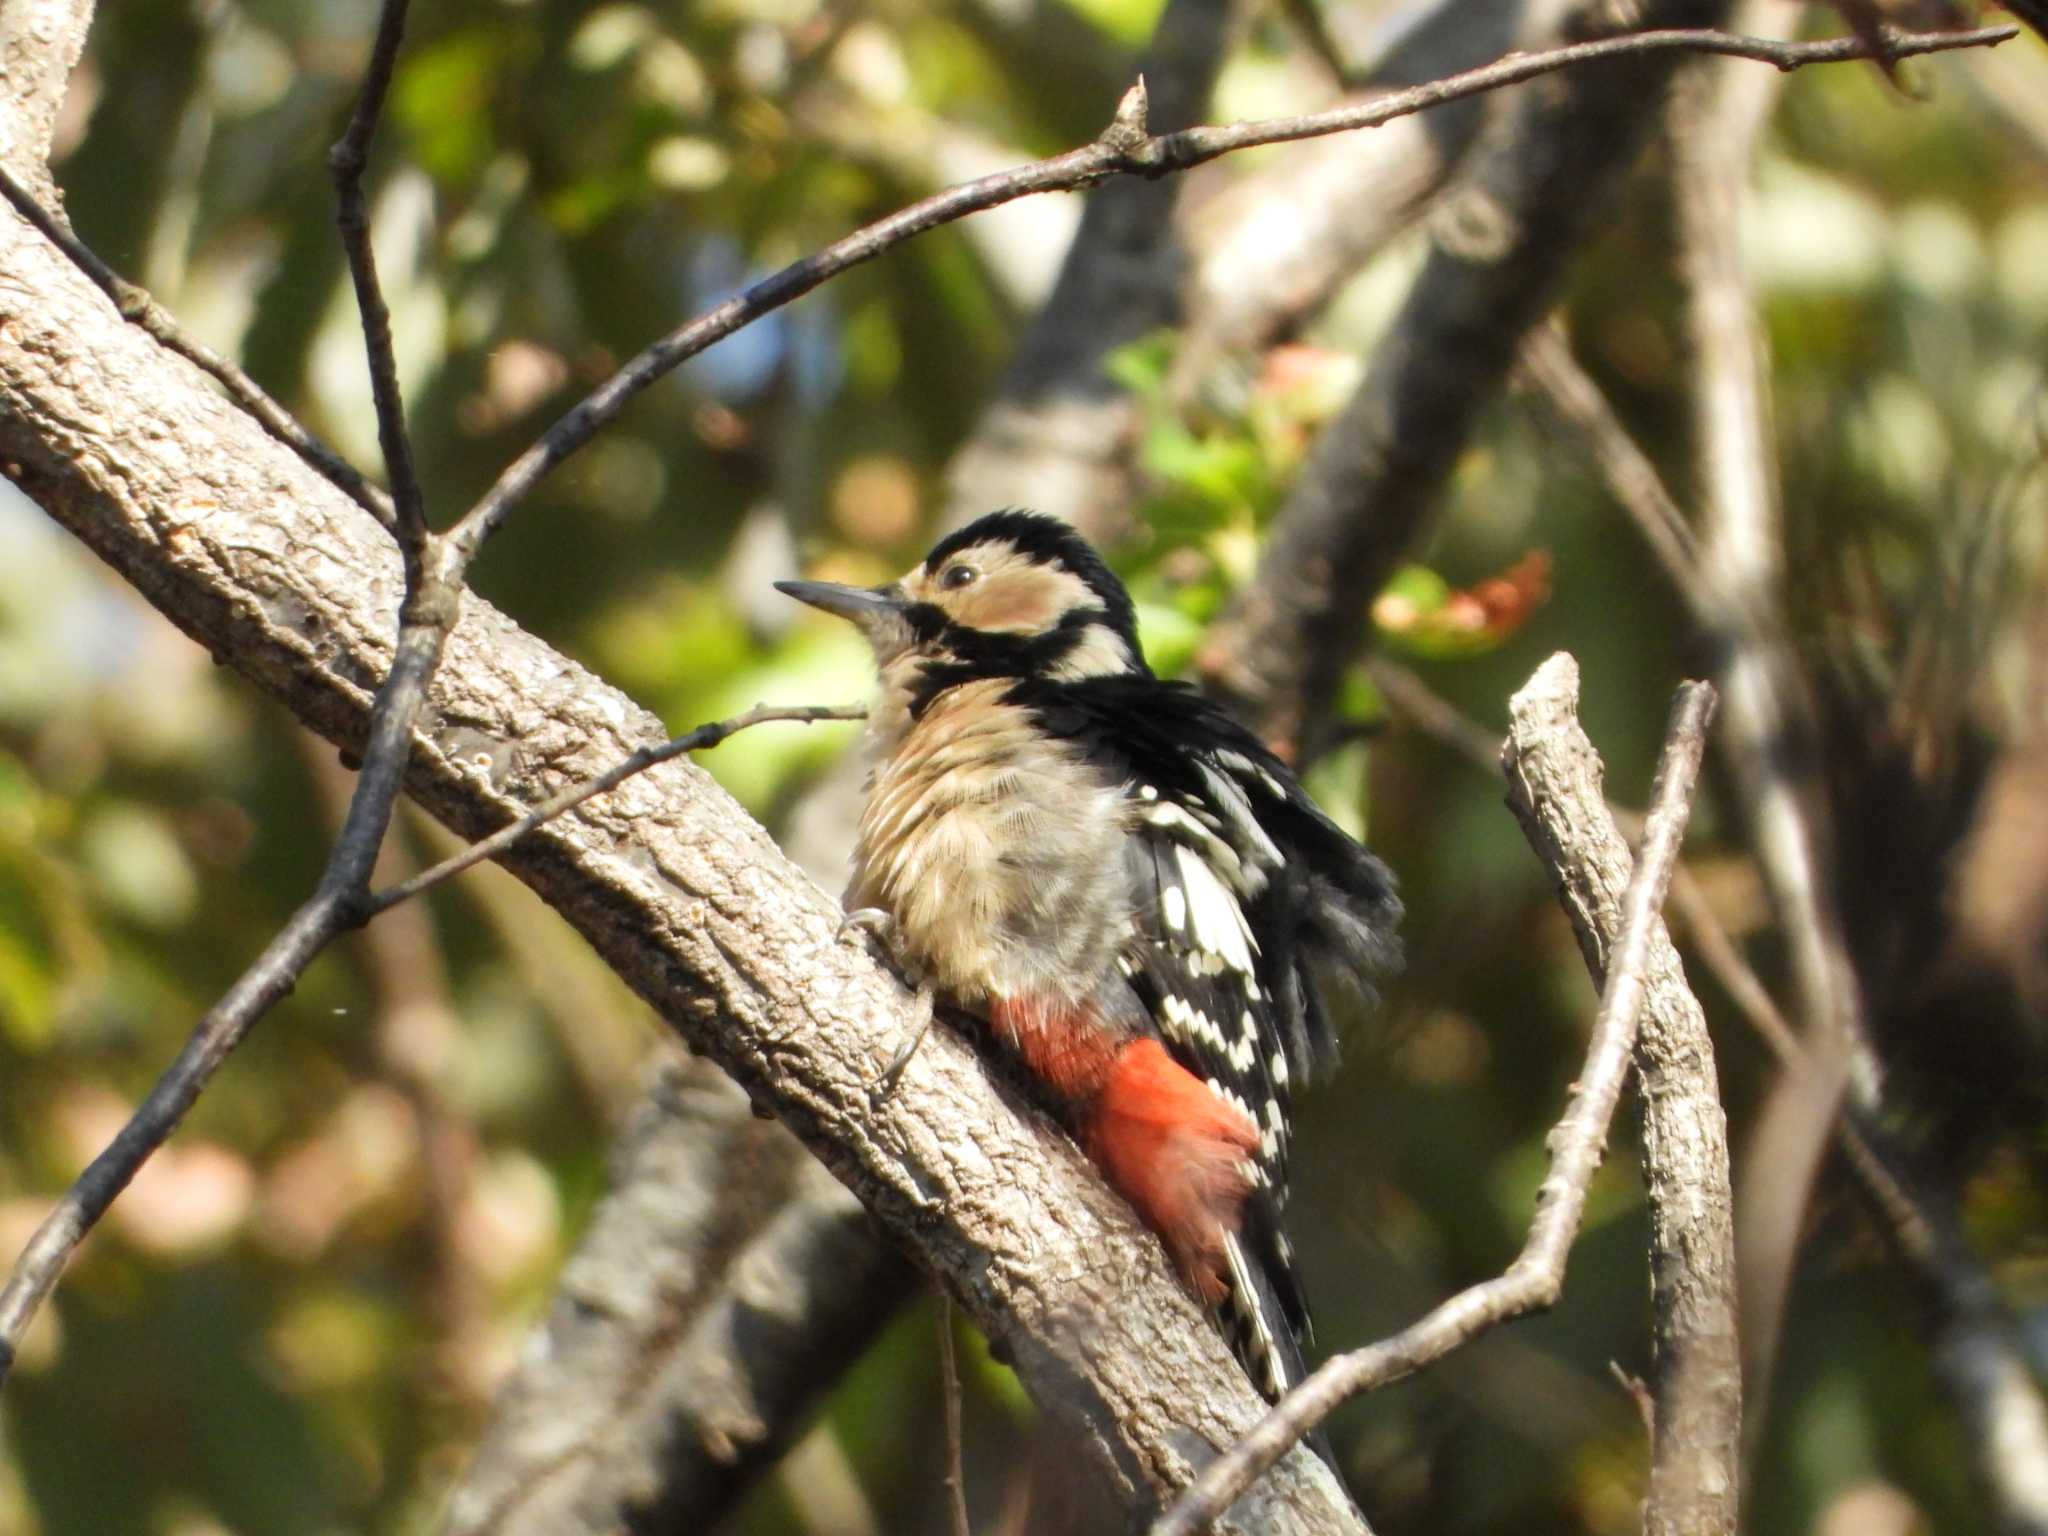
[(1127, 133)]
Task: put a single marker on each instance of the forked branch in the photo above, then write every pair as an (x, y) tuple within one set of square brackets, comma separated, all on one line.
[(1554, 783)]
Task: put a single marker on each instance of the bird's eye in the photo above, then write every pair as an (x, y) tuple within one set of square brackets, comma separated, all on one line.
[(955, 577)]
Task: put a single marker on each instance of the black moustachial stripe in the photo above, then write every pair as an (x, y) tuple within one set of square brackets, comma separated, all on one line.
[(963, 655)]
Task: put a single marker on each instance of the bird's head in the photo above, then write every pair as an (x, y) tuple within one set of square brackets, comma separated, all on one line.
[(1013, 594)]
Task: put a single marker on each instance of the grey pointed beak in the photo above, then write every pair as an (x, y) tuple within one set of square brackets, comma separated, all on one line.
[(863, 605)]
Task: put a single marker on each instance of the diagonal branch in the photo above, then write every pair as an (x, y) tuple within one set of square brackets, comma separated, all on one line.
[(1978, 1351), (701, 739), (1554, 787), (720, 1288), (328, 913), (139, 308)]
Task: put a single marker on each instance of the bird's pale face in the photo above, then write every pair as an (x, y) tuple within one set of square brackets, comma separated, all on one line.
[(994, 588)]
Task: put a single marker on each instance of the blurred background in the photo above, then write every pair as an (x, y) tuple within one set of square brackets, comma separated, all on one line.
[(296, 1319)]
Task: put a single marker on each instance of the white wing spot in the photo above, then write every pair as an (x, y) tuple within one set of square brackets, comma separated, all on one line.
[(1219, 922)]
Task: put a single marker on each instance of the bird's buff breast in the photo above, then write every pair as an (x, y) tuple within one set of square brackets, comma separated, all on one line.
[(996, 850)]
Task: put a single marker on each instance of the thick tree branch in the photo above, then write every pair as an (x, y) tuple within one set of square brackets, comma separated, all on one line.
[(1050, 438), (40, 44), (723, 1284), (1554, 787)]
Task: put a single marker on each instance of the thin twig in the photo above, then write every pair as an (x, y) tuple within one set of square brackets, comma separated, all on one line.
[(1533, 1281), (1124, 149), (345, 162), (949, 1389), (1582, 408), (698, 740), (1721, 955), (1435, 716), (137, 307)]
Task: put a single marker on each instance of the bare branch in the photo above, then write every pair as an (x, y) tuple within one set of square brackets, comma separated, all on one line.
[(949, 1386), (1579, 405), (345, 162), (1124, 149), (701, 739), (1978, 1351), (1498, 249), (1414, 701), (1436, 717), (327, 913), (1771, 739), (1696, 1380), (138, 308), (1554, 787)]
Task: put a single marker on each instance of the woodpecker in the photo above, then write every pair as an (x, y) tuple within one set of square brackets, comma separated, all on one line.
[(1136, 895)]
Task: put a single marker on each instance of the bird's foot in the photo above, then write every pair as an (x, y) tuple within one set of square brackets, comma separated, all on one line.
[(906, 1049), (874, 921)]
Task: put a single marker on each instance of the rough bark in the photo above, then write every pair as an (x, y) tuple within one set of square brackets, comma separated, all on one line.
[(40, 43), (1696, 1377)]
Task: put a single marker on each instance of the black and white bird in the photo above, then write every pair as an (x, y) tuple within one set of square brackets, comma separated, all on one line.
[(1138, 896)]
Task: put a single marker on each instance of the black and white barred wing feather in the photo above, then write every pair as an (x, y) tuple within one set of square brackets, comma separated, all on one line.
[(1247, 892)]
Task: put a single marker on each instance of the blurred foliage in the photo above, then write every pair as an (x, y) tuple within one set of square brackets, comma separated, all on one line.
[(293, 1321)]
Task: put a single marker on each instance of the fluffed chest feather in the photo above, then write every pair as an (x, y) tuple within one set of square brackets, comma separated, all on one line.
[(998, 851)]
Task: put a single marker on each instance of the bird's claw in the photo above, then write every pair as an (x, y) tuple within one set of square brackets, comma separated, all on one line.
[(906, 1049), (870, 920)]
